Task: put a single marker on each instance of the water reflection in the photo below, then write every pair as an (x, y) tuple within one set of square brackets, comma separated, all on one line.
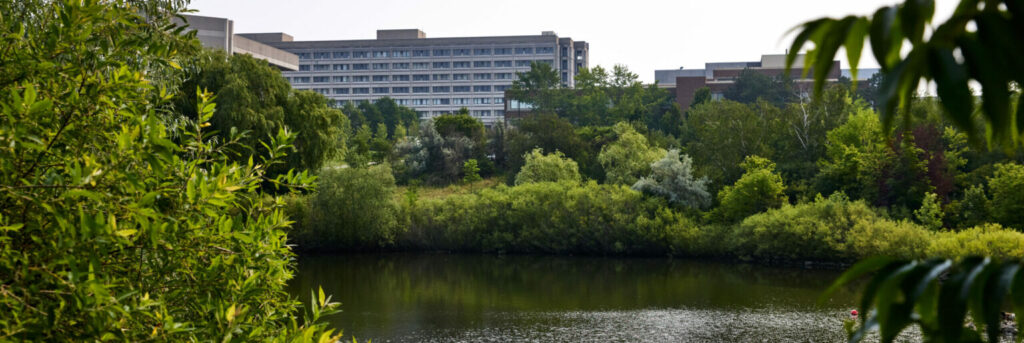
[(442, 297)]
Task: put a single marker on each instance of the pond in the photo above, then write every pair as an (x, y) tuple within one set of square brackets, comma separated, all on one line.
[(404, 297)]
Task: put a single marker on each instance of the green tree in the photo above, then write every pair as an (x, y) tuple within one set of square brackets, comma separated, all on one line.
[(253, 97), (470, 171), (672, 178), (352, 209), (752, 85), (1007, 187), (758, 190), (725, 132), (930, 212), (553, 167), (701, 96), (629, 157), (120, 218)]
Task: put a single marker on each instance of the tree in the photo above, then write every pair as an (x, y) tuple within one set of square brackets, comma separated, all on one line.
[(725, 132), (545, 131), (672, 178), (352, 209), (701, 96), (253, 97), (1007, 188), (953, 54), (553, 167), (470, 171), (930, 212), (539, 86), (751, 86), (628, 157), (120, 217), (758, 190)]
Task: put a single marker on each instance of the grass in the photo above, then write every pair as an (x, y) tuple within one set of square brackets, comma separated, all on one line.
[(428, 192)]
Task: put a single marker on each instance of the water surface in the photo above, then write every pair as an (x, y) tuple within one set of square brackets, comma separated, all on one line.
[(485, 298)]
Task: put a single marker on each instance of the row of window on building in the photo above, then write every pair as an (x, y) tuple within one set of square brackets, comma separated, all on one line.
[(346, 54), (416, 90), (420, 65), (399, 78)]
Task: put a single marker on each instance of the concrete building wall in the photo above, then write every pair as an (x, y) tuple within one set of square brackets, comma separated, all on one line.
[(218, 33), (277, 57)]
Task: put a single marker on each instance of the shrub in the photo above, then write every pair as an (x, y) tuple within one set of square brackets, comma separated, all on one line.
[(984, 240), (759, 189), (672, 178), (1007, 188), (628, 157), (930, 213), (553, 167), (352, 209)]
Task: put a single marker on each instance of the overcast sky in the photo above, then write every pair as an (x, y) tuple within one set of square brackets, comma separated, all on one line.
[(641, 34)]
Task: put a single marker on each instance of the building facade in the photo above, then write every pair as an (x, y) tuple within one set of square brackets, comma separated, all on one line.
[(434, 76), (718, 76), (219, 33)]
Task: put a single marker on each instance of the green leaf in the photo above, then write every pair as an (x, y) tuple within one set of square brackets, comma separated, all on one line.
[(954, 294), (952, 87), (855, 37), (994, 294)]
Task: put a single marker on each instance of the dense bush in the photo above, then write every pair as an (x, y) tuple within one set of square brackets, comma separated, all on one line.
[(983, 240), (629, 157), (759, 189), (553, 167), (672, 178), (1007, 188), (352, 209)]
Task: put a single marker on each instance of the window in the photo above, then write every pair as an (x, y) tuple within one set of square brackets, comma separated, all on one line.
[(460, 65), (361, 78), (360, 54), (380, 54), (421, 53), (524, 51), (460, 89), (341, 91), (442, 52), (400, 65), (481, 52), (304, 55), (400, 53), (361, 90), (442, 89), (322, 67), (399, 89), (403, 102), (442, 101), (342, 67), (502, 64), (481, 64), (484, 76), (399, 77), (460, 101), (340, 54), (504, 76), (442, 65), (304, 67), (461, 52), (301, 79), (323, 91), (321, 79), (342, 79), (321, 55), (421, 65), (481, 88), (378, 78), (421, 90), (380, 90), (339, 103), (499, 113), (361, 66), (522, 63), (501, 88), (499, 101), (422, 77), (481, 101), (380, 66), (565, 51), (548, 62), (503, 51), (459, 77), (440, 77), (545, 50), (420, 102), (481, 113), (565, 77)]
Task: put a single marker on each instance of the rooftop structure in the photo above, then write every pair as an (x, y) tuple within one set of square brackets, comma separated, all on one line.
[(218, 33)]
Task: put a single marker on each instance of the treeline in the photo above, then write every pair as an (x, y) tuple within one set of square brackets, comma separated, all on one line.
[(777, 176)]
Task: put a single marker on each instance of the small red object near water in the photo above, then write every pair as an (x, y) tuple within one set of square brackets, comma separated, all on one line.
[(853, 313)]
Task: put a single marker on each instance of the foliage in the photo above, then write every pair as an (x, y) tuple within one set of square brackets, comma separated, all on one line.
[(929, 214), (383, 111), (725, 132), (553, 167), (549, 133), (1007, 187), (936, 295), (979, 42), (433, 157), (672, 178), (628, 157), (470, 171), (972, 210), (352, 208), (120, 219), (701, 96), (752, 85), (983, 240), (253, 98), (758, 190)]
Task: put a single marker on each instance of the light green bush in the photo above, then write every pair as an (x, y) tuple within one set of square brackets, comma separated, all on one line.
[(982, 240), (553, 167), (352, 209), (1007, 189), (759, 189)]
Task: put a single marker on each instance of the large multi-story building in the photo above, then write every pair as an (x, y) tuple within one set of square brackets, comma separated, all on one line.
[(719, 76), (219, 33), (432, 75)]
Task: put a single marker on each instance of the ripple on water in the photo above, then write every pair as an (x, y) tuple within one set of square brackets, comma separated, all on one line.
[(669, 325)]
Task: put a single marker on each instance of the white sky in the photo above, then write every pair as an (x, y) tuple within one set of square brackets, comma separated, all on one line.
[(642, 34)]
